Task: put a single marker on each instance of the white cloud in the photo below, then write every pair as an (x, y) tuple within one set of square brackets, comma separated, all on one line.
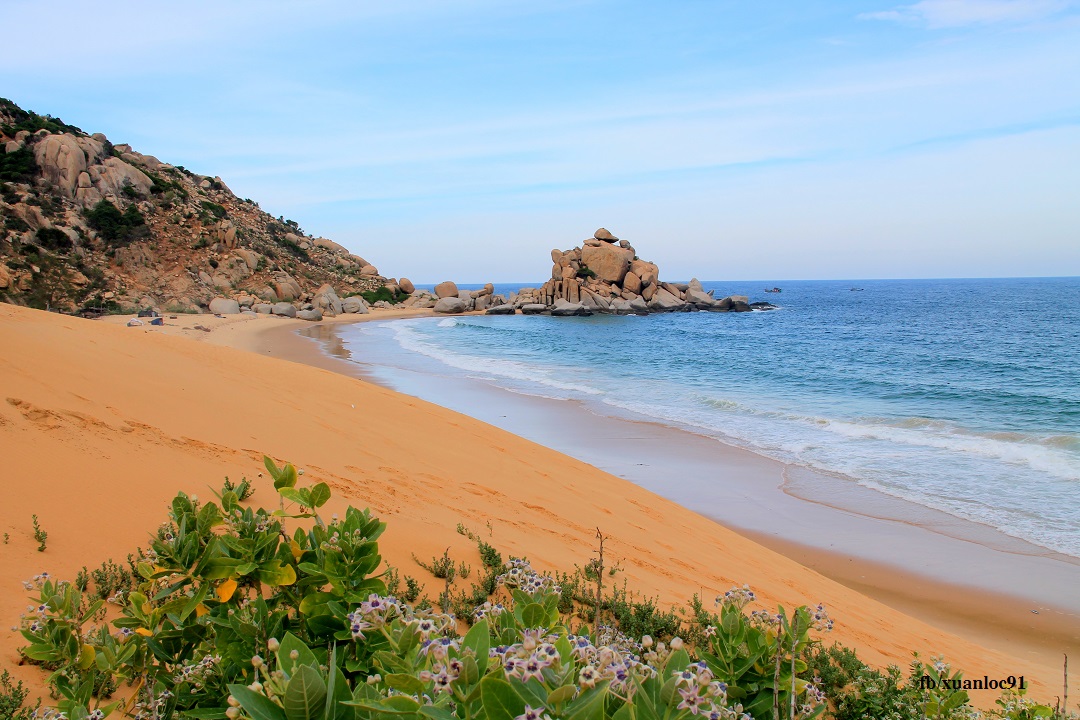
[(939, 14)]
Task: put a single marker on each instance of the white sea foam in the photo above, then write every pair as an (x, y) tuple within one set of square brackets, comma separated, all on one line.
[(408, 338)]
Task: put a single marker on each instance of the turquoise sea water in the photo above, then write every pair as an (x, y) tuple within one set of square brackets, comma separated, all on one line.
[(960, 395)]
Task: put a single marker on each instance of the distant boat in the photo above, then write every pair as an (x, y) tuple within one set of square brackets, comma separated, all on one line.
[(775, 289), (856, 289)]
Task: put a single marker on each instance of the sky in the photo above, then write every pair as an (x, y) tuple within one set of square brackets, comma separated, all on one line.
[(464, 139)]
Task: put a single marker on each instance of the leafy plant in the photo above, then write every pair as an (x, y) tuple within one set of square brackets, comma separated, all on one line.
[(12, 697), (115, 226), (235, 615), (18, 167), (39, 535), (384, 293)]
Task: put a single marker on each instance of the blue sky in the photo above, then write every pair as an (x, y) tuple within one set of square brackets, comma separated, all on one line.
[(726, 140)]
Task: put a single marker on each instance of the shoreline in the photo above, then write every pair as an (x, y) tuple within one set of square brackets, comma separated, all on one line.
[(1039, 624)]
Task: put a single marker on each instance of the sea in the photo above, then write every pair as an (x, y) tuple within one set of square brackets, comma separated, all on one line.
[(961, 395)]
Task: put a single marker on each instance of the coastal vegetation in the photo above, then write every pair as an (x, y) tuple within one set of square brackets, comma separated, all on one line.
[(249, 613)]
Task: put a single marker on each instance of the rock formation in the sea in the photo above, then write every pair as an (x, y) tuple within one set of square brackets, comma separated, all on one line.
[(605, 275)]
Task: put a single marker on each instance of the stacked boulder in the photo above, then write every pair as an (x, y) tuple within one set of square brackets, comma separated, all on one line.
[(605, 275)]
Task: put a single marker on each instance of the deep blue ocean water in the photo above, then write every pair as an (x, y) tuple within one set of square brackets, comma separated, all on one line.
[(960, 395)]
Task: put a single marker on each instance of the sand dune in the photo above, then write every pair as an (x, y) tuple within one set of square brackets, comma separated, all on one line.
[(100, 425)]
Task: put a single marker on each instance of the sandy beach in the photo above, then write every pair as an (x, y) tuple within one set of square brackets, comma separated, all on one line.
[(102, 424)]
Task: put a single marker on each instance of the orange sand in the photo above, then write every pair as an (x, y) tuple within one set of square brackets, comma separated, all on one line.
[(100, 425)]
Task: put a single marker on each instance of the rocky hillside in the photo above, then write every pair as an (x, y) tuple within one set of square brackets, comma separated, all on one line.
[(87, 226)]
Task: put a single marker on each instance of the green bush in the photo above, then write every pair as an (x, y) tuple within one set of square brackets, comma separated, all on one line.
[(12, 697), (19, 166), (114, 226), (53, 239), (218, 212), (32, 122), (384, 293), (585, 272)]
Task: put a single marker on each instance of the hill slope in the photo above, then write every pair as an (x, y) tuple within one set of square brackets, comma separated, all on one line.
[(89, 226)]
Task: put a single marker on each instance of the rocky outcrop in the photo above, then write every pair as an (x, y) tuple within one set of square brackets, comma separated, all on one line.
[(605, 275), (171, 240)]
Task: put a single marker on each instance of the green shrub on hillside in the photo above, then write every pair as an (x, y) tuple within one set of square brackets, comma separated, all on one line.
[(114, 226), (53, 239), (32, 122), (18, 167)]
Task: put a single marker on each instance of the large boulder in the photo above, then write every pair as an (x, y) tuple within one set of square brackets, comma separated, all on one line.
[(639, 307), (113, 175), (326, 298), (603, 234), (610, 263), (355, 304), (699, 298), (224, 306), (61, 161), (313, 315), (262, 308), (249, 257), (446, 289), (665, 301), (647, 271), (450, 305), (562, 308), (501, 310), (406, 286), (283, 308), (331, 246), (533, 308), (632, 283)]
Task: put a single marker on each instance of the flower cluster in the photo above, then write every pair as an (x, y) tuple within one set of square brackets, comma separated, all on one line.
[(488, 609), (738, 597), (702, 695), (821, 619), (521, 575), (197, 673), (442, 675), (151, 705)]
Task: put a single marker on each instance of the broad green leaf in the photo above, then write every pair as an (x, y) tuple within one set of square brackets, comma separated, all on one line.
[(315, 602), (292, 495), (499, 699), (678, 662), (405, 683), (305, 695), (304, 656), (286, 477), (257, 706), (561, 695), (320, 494), (533, 615), (478, 639), (437, 713), (589, 705), (954, 701), (275, 574)]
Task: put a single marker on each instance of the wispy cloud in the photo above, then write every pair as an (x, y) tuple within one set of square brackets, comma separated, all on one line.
[(941, 14)]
